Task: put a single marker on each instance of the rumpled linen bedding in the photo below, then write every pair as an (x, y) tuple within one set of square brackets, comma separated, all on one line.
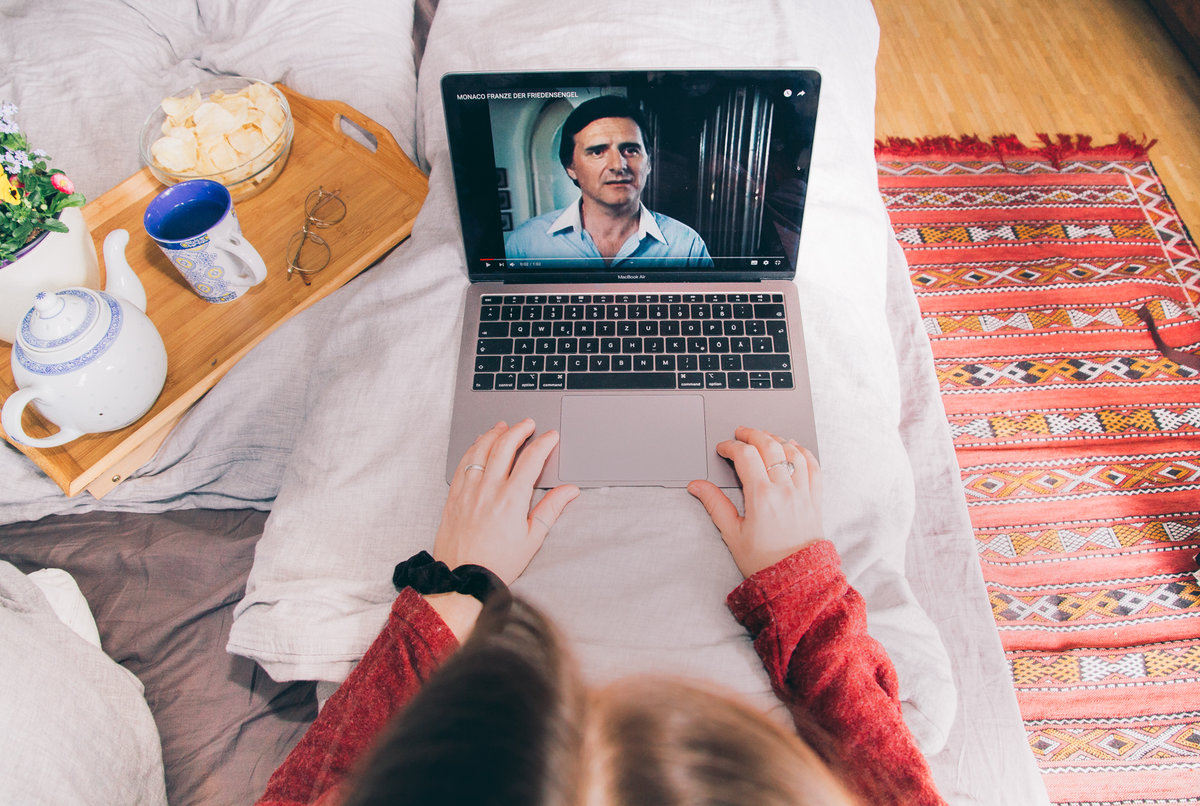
[(337, 424)]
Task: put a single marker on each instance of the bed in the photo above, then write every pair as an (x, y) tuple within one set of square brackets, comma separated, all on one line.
[(236, 578)]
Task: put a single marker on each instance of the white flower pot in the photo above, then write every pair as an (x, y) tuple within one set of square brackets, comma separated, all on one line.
[(58, 260)]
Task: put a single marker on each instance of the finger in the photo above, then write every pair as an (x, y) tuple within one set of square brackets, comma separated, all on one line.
[(769, 447), (747, 461), (548, 510), (814, 472), (532, 460), (504, 449), (478, 452), (724, 514), (799, 470)]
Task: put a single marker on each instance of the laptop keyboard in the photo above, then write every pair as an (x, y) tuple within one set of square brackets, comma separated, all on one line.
[(632, 341)]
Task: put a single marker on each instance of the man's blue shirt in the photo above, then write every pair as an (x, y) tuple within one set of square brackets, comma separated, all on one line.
[(560, 235)]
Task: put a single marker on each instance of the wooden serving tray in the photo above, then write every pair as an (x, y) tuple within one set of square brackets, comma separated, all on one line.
[(383, 191)]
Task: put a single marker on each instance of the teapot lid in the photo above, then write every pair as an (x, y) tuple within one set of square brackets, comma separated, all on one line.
[(58, 319)]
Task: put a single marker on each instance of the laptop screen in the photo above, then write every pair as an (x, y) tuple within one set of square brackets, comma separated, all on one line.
[(631, 175)]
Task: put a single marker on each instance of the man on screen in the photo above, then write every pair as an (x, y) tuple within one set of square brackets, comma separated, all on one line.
[(603, 151)]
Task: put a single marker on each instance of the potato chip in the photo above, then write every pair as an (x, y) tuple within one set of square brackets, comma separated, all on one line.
[(179, 109), (173, 154), (247, 140)]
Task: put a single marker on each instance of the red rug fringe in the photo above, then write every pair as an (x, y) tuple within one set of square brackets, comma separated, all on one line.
[(1056, 150)]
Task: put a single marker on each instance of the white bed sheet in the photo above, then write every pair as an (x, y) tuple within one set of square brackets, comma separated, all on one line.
[(300, 428)]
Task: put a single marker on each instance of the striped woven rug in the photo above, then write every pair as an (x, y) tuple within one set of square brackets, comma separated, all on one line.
[(1036, 269)]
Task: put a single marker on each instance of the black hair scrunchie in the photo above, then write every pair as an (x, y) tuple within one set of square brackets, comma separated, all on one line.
[(426, 575)]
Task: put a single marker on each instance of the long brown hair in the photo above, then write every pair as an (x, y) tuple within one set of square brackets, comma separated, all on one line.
[(498, 724), (671, 742), (507, 722)]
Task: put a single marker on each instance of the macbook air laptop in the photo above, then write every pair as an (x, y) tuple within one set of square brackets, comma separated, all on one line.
[(631, 238)]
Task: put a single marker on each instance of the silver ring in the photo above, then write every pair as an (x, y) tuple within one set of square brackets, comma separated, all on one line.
[(480, 468), (791, 468)]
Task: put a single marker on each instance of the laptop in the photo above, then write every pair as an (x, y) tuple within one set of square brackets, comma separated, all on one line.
[(631, 238)]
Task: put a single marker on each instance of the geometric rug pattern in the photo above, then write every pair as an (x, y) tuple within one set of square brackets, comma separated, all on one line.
[(1078, 442)]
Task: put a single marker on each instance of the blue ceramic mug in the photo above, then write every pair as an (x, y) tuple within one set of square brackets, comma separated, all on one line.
[(195, 226)]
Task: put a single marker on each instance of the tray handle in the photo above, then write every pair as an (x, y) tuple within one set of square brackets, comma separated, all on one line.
[(386, 146)]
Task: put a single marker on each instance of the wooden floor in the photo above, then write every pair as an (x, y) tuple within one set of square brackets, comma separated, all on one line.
[(1097, 67)]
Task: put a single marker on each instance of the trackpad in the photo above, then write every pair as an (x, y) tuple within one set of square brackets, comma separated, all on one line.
[(632, 438)]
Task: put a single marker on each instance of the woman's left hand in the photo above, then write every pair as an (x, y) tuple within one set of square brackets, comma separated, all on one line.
[(487, 519)]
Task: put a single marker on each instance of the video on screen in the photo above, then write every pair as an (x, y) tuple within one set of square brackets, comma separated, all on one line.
[(674, 172)]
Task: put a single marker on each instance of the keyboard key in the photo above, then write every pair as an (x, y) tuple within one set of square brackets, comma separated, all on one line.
[(527, 380), (506, 381), (738, 380), (621, 380), (493, 346), (760, 380), (622, 363), (483, 382), (691, 380), (770, 311), (766, 361), (511, 363), (714, 380), (552, 380), (599, 363), (781, 380), (487, 364), (778, 332)]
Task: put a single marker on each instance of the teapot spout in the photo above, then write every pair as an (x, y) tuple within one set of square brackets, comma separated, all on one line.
[(121, 280)]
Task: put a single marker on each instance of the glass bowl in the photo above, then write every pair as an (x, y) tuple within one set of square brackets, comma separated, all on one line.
[(248, 172)]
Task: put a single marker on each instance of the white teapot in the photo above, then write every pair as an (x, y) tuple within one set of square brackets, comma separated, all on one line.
[(88, 361)]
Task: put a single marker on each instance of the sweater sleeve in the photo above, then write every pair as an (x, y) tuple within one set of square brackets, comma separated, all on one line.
[(412, 644), (810, 629)]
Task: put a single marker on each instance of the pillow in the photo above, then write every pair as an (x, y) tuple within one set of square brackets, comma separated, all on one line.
[(163, 588), (636, 576), (60, 694)]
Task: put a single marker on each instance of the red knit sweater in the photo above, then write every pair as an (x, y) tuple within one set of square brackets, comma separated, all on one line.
[(809, 628)]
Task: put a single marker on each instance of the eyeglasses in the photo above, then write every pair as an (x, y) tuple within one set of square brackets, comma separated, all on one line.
[(307, 252)]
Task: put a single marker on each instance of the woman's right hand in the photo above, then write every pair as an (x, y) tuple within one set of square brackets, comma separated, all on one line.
[(783, 506)]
